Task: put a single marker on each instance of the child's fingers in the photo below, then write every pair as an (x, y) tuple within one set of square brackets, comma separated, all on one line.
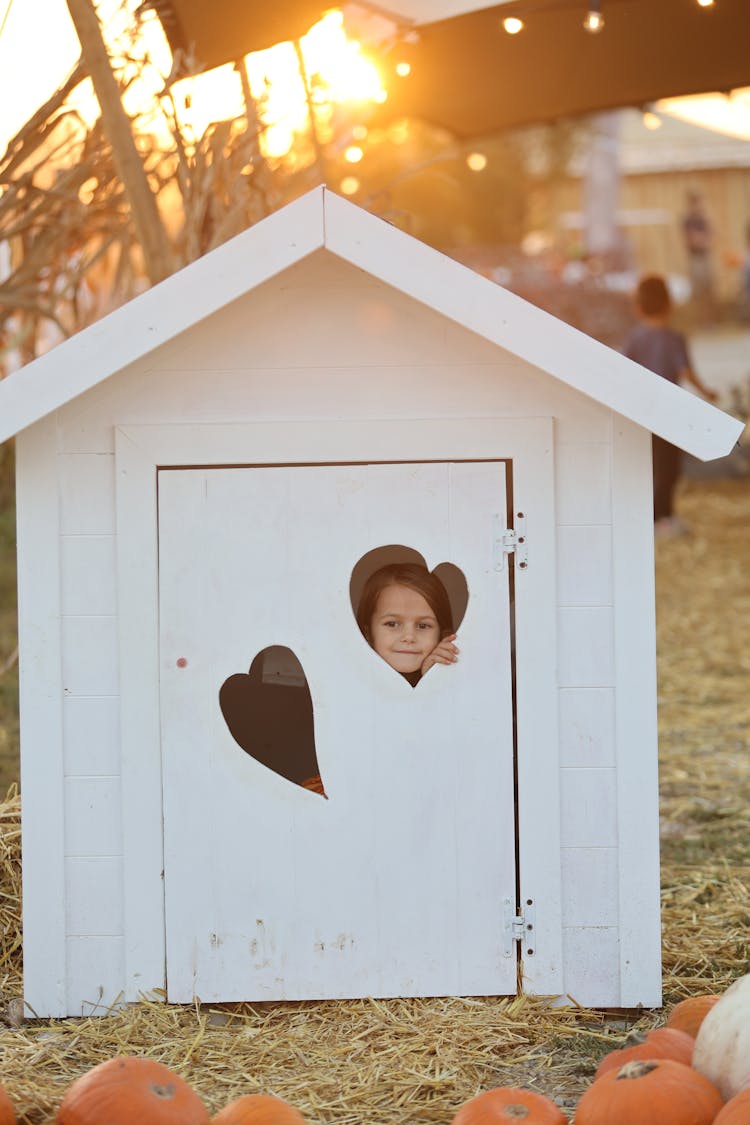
[(444, 653)]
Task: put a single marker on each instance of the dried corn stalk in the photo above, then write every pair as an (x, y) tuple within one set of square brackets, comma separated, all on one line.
[(70, 251)]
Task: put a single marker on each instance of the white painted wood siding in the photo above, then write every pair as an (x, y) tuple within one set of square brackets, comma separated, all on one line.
[(380, 357), (587, 681)]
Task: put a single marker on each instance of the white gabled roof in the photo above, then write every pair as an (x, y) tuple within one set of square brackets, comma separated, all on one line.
[(322, 219)]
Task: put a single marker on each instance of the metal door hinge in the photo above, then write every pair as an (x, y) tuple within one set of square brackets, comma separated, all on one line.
[(511, 541), (519, 927)]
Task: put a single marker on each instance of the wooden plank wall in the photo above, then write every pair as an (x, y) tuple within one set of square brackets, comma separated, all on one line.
[(658, 246)]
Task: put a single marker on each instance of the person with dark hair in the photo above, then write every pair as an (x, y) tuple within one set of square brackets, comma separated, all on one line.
[(656, 345), (404, 614), (697, 234)]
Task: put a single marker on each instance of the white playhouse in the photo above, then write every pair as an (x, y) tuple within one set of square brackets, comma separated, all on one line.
[(204, 477)]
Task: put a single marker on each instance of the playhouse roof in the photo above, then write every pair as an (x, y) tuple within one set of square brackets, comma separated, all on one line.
[(322, 220)]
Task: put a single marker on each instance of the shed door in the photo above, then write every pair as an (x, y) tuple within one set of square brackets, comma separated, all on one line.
[(394, 882)]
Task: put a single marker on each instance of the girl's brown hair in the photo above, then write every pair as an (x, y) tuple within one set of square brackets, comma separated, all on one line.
[(653, 296), (415, 578)]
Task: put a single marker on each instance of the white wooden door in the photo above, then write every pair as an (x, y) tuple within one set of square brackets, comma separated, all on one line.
[(394, 883)]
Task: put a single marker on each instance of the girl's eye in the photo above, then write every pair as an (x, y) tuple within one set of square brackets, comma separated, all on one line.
[(426, 625)]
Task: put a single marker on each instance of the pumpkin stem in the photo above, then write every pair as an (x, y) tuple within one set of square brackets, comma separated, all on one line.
[(517, 1111), (636, 1068), (634, 1038)]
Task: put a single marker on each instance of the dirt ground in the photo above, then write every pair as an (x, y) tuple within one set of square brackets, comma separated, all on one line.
[(416, 1061)]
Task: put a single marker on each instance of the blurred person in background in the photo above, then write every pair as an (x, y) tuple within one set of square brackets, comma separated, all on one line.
[(697, 234), (656, 345)]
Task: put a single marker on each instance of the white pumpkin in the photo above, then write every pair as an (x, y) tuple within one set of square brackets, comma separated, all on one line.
[(722, 1046)]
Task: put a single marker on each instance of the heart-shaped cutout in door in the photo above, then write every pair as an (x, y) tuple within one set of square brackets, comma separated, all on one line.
[(407, 613), (269, 713)]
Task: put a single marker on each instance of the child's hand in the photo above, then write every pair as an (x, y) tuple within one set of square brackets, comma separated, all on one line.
[(444, 653)]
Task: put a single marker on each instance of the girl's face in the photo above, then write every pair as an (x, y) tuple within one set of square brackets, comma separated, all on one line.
[(403, 630)]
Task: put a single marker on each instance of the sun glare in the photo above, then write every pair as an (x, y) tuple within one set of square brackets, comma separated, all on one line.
[(336, 72), (213, 96), (345, 73)]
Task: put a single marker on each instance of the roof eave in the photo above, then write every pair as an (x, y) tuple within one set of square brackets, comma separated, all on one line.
[(322, 219), (513, 323), (160, 314)]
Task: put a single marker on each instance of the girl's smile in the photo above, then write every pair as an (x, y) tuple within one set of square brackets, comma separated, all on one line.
[(403, 630)]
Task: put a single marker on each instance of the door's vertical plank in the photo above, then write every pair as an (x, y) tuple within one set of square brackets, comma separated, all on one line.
[(483, 722), (183, 571)]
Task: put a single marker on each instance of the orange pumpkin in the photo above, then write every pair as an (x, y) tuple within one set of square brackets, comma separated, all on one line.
[(689, 1014), (506, 1104), (661, 1043), (649, 1092), (258, 1109), (7, 1112), (123, 1091), (736, 1111)]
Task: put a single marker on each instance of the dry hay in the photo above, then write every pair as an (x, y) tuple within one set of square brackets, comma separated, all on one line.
[(703, 623), (369, 1062)]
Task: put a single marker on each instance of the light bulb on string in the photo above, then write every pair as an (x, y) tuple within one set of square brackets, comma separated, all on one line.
[(476, 161), (594, 21), (512, 25), (706, 3)]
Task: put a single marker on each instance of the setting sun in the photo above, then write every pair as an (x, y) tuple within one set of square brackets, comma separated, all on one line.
[(335, 71), (344, 73)]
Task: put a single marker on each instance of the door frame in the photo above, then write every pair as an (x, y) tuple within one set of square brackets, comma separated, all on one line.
[(141, 450)]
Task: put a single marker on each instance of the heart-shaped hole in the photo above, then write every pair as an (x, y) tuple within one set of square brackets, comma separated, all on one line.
[(403, 609), (269, 713)]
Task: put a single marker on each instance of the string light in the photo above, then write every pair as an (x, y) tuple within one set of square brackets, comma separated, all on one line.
[(512, 24), (403, 69), (651, 120), (594, 21), (476, 161)]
